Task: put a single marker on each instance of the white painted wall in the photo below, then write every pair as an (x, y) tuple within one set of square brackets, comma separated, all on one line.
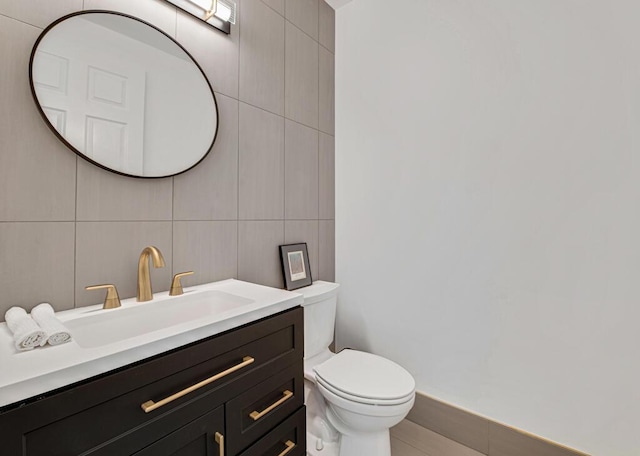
[(488, 206)]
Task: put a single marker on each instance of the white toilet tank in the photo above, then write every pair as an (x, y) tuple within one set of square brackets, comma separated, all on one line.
[(320, 301)]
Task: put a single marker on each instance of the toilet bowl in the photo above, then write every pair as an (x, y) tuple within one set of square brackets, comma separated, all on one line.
[(352, 397)]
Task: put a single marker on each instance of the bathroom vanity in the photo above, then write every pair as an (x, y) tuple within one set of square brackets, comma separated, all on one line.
[(236, 392)]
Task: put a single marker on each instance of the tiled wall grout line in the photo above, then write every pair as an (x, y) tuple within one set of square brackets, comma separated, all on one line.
[(284, 64), (238, 152), (173, 180), (125, 221), (314, 40), (284, 129), (277, 12), (321, 219), (326, 48), (37, 221), (284, 171), (75, 234), (22, 22), (173, 223), (276, 114), (319, 132)]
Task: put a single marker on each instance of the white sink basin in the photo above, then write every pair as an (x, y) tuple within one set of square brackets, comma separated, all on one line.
[(106, 339), (106, 327)]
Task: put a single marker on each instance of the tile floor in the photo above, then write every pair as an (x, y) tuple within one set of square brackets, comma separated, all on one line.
[(410, 439)]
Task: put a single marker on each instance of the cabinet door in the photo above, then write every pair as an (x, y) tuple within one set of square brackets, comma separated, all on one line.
[(201, 437), (258, 410), (289, 438)]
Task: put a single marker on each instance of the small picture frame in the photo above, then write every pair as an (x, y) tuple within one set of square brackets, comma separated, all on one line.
[(295, 265)]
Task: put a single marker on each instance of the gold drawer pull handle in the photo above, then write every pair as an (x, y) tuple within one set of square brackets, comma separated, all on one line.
[(290, 446), (220, 442), (286, 395), (150, 406)]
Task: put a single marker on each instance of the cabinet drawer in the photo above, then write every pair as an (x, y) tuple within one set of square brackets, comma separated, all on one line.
[(110, 406), (288, 439), (168, 436), (200, 437), (253, 413)]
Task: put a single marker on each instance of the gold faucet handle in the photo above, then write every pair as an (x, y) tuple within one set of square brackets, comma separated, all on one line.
[(176, 286), (111, 300)]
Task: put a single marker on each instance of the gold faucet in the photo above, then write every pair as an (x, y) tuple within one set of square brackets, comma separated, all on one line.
[(144, 279)]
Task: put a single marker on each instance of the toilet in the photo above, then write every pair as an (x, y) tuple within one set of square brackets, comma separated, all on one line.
[(352, 397)]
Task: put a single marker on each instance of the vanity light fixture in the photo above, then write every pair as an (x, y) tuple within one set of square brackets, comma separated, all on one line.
[(217, 13)]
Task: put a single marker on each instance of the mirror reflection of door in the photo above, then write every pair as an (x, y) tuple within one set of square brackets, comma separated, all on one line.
[(106, 118), (123, 94)]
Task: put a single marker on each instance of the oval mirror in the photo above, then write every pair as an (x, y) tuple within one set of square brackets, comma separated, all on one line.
[(123, 94)]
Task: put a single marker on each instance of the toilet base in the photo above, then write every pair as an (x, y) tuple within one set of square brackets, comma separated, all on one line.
[(354, 443), (373, 444), (322, 438), (327, 448)]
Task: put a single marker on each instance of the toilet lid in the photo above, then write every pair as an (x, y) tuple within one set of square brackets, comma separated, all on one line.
[(364, 375)]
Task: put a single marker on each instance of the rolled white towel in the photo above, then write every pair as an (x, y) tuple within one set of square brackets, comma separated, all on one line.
[(56, 332), (26, 332)]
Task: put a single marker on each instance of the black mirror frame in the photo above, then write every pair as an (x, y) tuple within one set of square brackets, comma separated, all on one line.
[(67, 143)]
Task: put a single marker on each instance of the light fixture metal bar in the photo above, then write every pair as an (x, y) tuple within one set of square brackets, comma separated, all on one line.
[(212, 10)]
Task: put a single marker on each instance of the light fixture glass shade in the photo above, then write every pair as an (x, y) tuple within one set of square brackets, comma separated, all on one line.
[(226, 11), (217, 13)]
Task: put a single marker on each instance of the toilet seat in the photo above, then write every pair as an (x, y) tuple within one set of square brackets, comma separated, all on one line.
[(364, 400), (365, 378), (366, 410)]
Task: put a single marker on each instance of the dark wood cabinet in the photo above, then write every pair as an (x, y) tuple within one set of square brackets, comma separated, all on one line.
[(234, 389)]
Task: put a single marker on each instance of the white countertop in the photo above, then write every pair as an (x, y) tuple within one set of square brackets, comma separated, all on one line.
[(31, 373)]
